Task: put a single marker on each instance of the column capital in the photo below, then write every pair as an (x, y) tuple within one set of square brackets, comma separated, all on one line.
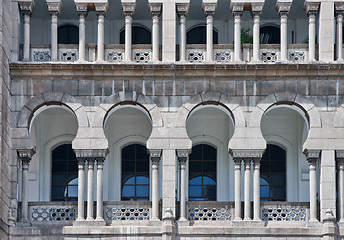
[(81, 7), (209, 7), (312, 155), (91, 154), (340, 158), (182, 9), (26, 6), (25, 155), (283, 6), (339, 7), (128, 7), (183, 155), (237, 8), (155, 155), (54, 7), (155, 9), (101, 8), (257, 8), (311, 7)]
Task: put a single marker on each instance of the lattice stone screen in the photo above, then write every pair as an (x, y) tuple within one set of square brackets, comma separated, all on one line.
[(284, 213), (53, 213), (123, 211), (209, 211)]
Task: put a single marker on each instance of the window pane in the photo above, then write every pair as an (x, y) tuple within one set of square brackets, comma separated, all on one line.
[(195, 191), (142, 180), (128, 191), (196, 181), (142, 191)]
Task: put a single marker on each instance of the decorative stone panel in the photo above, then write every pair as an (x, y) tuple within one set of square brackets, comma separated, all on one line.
[(268, 56), (40, 55), (114, 55), (209, 211), (142, 56), (53, 214), (195, 56), (223, 56), (297, 56), (68, 55), (127, 213), (284, 213)]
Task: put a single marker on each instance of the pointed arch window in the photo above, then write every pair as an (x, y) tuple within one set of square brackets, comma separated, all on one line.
[(202, 173)]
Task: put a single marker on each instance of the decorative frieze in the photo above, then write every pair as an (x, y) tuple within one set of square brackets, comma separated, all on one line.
[(114, 55), (209, 214), (247, 154), (284, 214), (127, 213), (91, 153), (142, 56), (297, 56), (195, 56)]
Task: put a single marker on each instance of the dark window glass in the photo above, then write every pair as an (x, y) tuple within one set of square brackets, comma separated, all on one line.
[(140, 35), (270, 35), (135, 173), (64, 169), (68, 34), (198, 35), (202, 173), (273, 174)]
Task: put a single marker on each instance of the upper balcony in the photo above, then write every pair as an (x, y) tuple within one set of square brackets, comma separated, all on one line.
[(221, 32)]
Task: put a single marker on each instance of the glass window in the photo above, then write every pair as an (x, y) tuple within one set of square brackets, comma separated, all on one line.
[(273, 174), (270, 35), (197, 35), (68, 34), (202, 173), (139, 35), (64, 169), (135, 173)]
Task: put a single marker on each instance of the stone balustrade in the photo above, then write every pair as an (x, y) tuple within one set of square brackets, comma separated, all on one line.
[(285, 211), (127, 211)]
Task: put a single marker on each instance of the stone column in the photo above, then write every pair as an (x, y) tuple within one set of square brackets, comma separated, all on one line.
[(82, 12), (183, 156), (339, 42), (54, 7), (209, 11), (81, 188), (247, 187), (256, 189), (100, 166), (237, 189), (101, 9), (25, 156), (26, 8), (155, 9), (182, 10), (312, 158), (283, 8), (155, 156), (237, 10), (312, 10), (256, 11), (128, 10), (90, 188), (340, 175)]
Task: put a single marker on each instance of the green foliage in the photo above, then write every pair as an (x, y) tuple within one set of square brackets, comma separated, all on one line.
[(246, 36)]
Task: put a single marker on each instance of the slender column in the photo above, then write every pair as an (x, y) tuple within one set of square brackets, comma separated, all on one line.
[(26, 50), (340, 163), (237, 172), (209, 10), (256, 190), (100, 52), (183, 156), (256, 43), (155, 9), (311, 40), (81, 189), (284, 46), (155, 156), (182, 10), (82, 36), (237, 36), (312, 158), (339, 44), (90, 187), (128, 10), (54, 7), (25, 156), (100, 165), (247, 208)]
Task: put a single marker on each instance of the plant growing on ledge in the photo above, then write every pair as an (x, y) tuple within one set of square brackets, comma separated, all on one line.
[(246, 36)]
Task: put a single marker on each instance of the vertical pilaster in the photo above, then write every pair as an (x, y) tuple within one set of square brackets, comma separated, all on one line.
[(312, 158), (183, 156), (256, 10), (82, 9), (26, 8), (326, 33), (54, 7), (155, 9), (25, 156), (340, 190), (182, 10), (339, 34), (209, 8), (101, 9), (312, 10), (168, 31), (283, 8), (237, 10), (155, 156), (128, 8)]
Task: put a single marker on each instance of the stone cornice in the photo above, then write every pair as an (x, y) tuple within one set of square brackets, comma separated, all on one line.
[(91, 153)]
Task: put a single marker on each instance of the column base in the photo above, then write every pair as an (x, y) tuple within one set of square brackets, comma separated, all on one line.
[(183, 222), (24, 222), (314, 223), (99, 222), (154, 222), (79, 222)]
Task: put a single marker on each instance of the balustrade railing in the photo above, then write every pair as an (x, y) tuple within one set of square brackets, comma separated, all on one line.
[(285, 211), (53, 212), (210, 211), (123, 211)]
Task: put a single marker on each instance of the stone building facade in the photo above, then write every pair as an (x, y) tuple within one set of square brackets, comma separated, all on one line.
[(172, 119)]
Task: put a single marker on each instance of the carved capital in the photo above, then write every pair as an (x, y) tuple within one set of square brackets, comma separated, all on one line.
[(257, 8), (311, 8), (183, 155), (54, 6), (26, 6), (209, 8), (101, 8), (91, 154), (340, 157), (25, 155), (183, 9), (155, 9), (339, 7), (237, 8), (82, 8), (155, 155), (128, 8), (312, 156), (283, 6)]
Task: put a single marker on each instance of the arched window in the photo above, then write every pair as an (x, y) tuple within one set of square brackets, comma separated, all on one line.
[(68, 34), (202, 173), (64, 169), (197, 35), (135, 173), (270, 35), (273, 174), (140, 35)]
